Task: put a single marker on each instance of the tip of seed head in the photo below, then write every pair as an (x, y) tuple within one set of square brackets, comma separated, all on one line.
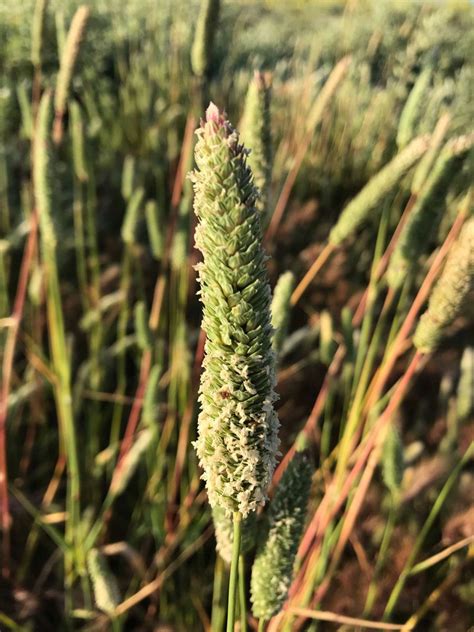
[(212, 113)]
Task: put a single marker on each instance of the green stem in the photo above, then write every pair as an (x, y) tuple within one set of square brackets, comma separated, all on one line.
[(261, 625), (218, 597), (234, 568), (242, 599), (373, 589), (395, 594)]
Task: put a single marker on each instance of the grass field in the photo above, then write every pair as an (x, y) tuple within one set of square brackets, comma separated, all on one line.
[(359, 117)]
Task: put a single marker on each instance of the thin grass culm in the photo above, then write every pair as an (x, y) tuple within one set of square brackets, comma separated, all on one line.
[(238, 428)]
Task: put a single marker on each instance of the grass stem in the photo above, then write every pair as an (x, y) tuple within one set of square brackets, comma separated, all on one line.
[(234, 571)]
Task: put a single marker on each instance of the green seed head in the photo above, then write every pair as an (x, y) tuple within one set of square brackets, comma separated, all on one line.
[(77, 138), (41, 172), (393, 460), (156, 228), (130, 463), (238, 427), (256, 135), (132, 216), (151, 398), (281, 308), (413, 108), (425, 214), (69, 57), (448, 296), (272, 571), (465, 392), (375, 191), (37, 31), (142, 330), (106, 592), (206, 26)]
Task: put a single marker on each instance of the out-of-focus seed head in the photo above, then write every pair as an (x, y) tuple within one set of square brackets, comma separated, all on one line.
[(447, 299)]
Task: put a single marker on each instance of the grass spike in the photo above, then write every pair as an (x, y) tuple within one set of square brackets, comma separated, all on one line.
[(425, 215), (41, 174), (66, 68), (132, 214), (106, 591), (256, 134), (392, 460), (144, 337), (238, 428), (413, 108), (37, 29), (447, 298), (201, 51), (281, 308), (375, 191), (77, 138), (155, 228), (272, 571)]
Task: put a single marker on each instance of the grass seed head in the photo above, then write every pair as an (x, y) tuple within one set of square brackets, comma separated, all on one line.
[(256, 135), (66, 67), (106, 592), (425, 214), (201, 51), (281, 306), (447, 299), (375, 191), (272, 571), (37, 32), (238, 428), (413, 108)]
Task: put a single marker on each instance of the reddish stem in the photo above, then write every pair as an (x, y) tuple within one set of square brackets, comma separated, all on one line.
[(7, 367)]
